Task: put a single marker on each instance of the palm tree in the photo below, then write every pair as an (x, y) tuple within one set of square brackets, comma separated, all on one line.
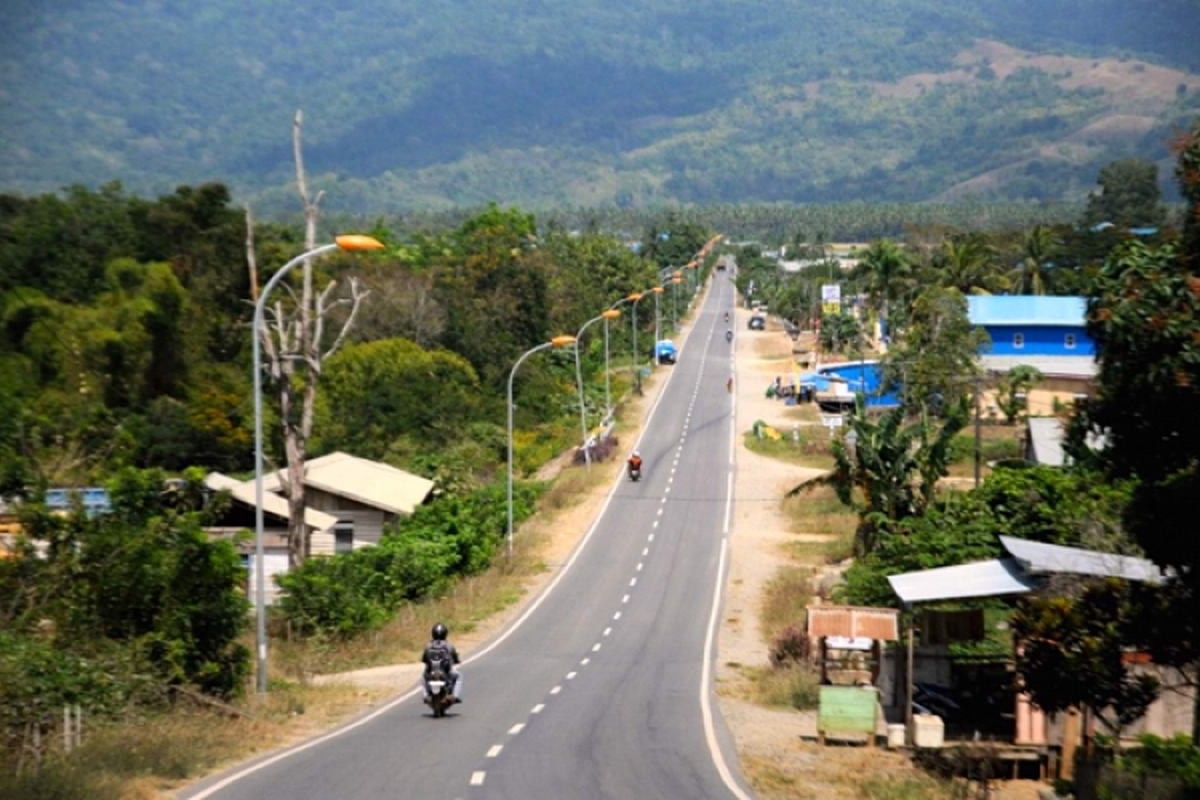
[(886, 274), (1038, 247), (967, 263)]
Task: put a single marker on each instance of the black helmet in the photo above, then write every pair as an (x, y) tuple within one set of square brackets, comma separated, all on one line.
[(439, 632)]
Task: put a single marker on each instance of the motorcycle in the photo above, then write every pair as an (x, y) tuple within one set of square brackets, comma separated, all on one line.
[(635, 473), (440, 696), (729, 336)]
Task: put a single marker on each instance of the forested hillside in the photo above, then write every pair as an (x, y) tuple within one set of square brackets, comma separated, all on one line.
[(629, 102)]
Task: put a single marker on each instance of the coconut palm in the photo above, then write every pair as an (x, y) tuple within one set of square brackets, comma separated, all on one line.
[(1038, 247), (967, 262), (885, 273)]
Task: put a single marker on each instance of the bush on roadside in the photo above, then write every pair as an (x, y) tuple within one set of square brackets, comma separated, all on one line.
[(792, 646), (349, 593)]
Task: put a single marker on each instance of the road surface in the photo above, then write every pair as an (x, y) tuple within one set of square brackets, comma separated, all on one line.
[(603, 688)]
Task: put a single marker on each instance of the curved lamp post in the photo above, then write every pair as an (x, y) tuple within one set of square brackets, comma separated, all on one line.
[(611, 313), (350, 242), (633, 362), (658, 290), (606, 316), (557, 341), (676, 279)]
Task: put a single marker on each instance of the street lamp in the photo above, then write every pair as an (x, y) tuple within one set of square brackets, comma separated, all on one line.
[(658, 290), (611, 313), (676, 279), (587, 456), (349, 242), (633, 364), (557, 341)]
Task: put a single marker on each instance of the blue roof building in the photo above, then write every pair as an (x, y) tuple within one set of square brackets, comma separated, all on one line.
[(1044, 332)]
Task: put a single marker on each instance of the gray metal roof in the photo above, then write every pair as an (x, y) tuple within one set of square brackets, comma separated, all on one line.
[(1050, 366), (981, 579), (1040, 558), (1046, 436)]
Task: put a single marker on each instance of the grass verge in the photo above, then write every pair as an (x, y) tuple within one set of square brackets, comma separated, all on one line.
[(811, 451)]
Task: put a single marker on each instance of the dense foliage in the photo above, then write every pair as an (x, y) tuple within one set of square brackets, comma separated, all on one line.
[(114, 608), (596, 103), (419, 556)]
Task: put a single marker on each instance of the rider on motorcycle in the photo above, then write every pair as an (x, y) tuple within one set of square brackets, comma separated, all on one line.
[(727, 316), (729, 336), (441, 651), (635, 462)]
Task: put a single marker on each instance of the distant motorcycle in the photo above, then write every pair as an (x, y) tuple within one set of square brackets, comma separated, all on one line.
[(440, 696), (729, 336), (635, 473)]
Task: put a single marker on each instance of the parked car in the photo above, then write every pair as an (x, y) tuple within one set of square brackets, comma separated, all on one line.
[(665, 351), (757, 322)]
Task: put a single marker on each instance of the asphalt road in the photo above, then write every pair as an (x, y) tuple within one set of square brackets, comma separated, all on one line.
[(603, 689)]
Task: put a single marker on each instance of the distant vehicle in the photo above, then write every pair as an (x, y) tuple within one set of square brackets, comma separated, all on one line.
[(757, 323), (665, 352)]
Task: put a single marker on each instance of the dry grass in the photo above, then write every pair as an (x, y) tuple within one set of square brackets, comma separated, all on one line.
[(807, 771), (784, 600), (811, 451), (818, 511)]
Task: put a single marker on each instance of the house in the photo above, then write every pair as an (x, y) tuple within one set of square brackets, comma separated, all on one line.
[(1047, 333), (363, 495), (1029, 567), (240, 517)]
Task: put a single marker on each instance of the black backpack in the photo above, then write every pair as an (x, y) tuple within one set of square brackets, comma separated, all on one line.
[(440, 659)]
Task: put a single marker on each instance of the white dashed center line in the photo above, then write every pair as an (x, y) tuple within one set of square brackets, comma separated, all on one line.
[(595, 647), (515, 729), (583, 662), (617, 615), (537, 709), (571, 675), (556, 690), (607, 631), (477, 777), (625, 599), (494, 750)]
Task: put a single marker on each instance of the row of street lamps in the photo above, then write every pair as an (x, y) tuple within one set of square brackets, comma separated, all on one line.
[(356, 243)]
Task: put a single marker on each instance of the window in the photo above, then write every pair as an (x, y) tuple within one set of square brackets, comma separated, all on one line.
[(1069, 341), (1018, 340), (343, 537)]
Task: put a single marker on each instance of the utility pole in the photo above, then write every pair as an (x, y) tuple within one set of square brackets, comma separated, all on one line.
[(978, 432)]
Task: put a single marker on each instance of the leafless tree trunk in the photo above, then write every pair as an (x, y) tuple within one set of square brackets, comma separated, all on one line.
[(293, 339)]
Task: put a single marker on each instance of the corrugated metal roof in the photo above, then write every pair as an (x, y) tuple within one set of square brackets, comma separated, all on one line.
[(1025, 309), (1050, 366), (981, 579), (1042, 558), (1046, 435), (362, 480), (243, 491), (853, 622)]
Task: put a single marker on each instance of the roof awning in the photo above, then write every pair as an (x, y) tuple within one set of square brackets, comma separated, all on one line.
[(1042, 558), (982, 579)]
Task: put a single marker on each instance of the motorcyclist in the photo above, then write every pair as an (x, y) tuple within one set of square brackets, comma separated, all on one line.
[(635, 462), (440, 651), (727, 316), (729, 336)]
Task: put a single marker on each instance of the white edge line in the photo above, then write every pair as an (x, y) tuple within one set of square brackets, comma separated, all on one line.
[(386, 707)]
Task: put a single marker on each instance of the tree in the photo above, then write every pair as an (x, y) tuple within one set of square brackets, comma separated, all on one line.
[(886, 273), (1070, 652), (839, 332), (1012, 388), (891, 471), (1038, 246), (375, 392), (936, 361), (1129, 196), (295, 348), (967, 262), (1144, 315)]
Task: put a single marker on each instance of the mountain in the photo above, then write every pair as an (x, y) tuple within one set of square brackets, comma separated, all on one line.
[(628, 102)]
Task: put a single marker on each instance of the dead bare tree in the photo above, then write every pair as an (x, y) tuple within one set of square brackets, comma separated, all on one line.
[(293, 339)]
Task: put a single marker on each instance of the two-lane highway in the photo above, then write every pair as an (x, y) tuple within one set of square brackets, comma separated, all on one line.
[(602, 687)]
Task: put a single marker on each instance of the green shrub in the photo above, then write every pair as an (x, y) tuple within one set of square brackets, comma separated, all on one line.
[(1176, 757), (346, 594)]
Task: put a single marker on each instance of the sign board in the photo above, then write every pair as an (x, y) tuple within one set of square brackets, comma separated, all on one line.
[(847, 709), (832, 421), (831, 298)]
